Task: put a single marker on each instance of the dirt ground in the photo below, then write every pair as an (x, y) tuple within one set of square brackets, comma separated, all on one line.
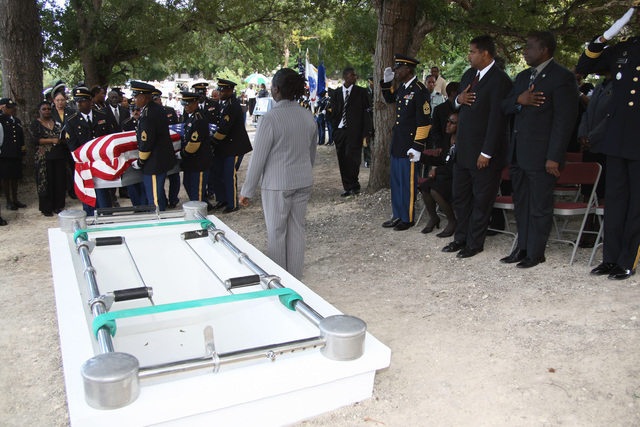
[(474, 342)]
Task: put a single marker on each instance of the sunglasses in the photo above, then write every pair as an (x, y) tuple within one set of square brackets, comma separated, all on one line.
[(46, 109), (453, 122)]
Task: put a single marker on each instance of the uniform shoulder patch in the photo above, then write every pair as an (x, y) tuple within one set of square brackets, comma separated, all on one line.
[(226, 118), (194, 136), (420, 84), (624, 39), (72, 116), (143, 135), (426, 108)]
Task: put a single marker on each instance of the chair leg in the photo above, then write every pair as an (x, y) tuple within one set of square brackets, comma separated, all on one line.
[(598, 241)]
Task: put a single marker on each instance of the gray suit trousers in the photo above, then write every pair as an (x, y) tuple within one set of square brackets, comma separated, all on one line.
[(284, 214)]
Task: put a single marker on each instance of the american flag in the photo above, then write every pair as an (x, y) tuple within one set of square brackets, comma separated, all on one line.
[(109, 156)]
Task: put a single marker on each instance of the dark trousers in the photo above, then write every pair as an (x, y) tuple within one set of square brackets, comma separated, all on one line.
[(53, 198), (321, 128), (404, 179), (154, 187), (195, 183), (622, 213), (103, 200), (349, 152), (174, 188), (533, 207), (330, 130), (474, 192), (137, 194), (226, 179)]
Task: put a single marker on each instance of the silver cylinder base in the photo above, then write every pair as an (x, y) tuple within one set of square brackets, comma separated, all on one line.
[(190, 209), (68, 217), (111, 380), (344, 337)]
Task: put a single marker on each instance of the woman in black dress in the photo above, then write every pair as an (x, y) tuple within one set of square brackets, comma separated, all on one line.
[(61, 112), (438, 189), (50, 161)]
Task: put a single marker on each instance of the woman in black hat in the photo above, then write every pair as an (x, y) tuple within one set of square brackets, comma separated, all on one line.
[(50, 161), (12, 151)]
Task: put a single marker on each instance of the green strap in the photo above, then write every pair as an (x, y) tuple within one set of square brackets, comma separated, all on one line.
[(204, 223), (287, 297)]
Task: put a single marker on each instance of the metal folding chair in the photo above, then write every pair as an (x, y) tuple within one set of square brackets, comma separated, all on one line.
[(505, 203), (427, 152), (598, 243), (576, 174)]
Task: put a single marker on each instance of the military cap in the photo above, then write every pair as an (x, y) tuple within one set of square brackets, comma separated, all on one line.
[(200, 87), (8, 102), (156, 93), (58, 87), (225, 84), (189, 97), (81, 93), (141, 88), (404, 60), (47, 91), (370, 78)]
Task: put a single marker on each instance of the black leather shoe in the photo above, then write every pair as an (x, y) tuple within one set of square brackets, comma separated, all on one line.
[(620, 273), (20, 205), (604, 268), (345, 193), (230, 209), (47, 213), (2, 222), (430, 226), (354, 192), (171, 206), (11, 207), (391, 223), (403, 226), (454, 246), (530, 262), (220, 205), (516, 256), (468, 252)]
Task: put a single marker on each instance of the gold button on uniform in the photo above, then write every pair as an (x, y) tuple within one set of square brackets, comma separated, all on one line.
[(638, 68), (631, 104), (635, 79), (633, 92)]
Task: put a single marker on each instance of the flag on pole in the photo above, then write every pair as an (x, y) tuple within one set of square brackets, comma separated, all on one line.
[(322, 79), (312, 77)]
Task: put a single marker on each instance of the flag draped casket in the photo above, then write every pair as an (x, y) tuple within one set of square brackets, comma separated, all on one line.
[(108, 157)]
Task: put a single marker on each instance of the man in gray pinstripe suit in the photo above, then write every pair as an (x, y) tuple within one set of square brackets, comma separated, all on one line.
[(283, 155)]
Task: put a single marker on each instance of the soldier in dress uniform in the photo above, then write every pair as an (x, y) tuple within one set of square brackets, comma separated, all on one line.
[(231, 143), (620, 144), (131, 123), (12, 150), (410, 132), (85, 125), (156, 156), (196, 154), (207, 107), (174, 178)]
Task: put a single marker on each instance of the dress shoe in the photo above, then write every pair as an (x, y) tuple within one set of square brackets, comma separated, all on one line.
[(530, 262), (454, 246), (430, 226), (2, 222), (11, 207), (620, 273), (468, 252), (354, 191), (220, 205), (403, 226), (171, 206), (230, 209), (57, 211), (20, 205), (345, 193), (391, 223), (47, 213), (516, 256), (604, 268), (367, 165)]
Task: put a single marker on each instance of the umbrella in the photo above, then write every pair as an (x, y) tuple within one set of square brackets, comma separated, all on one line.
[(256, 79)]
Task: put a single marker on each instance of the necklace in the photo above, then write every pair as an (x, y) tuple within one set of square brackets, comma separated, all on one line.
[(48, 125)]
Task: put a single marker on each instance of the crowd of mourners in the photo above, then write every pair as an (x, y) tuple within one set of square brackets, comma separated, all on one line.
[(452, 142)]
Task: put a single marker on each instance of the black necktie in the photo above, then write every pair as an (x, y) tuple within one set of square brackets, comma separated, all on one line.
[(344, 109), (89, 120)]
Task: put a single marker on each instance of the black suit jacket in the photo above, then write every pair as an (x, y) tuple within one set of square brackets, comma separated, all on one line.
[(542, 133), (482, 126), (123, 112), (78, 130), (359, 122)]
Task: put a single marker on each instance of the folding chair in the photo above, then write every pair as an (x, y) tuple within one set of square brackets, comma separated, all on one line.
[(576, 174), (505, 203), (427, 152), (598, 242), (569, 190)]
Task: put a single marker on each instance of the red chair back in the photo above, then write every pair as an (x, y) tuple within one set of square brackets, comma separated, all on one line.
[(573, 157), (579, 173)]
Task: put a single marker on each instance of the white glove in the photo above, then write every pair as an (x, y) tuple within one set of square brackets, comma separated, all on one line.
[(414, 155), (178, 156), (617, 26), (388, 74), (136, 165)]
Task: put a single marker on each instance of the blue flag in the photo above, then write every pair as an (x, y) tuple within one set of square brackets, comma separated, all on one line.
[(322, 83)]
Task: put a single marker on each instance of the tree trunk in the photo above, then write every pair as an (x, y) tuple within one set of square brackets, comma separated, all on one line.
[(396, 22), (21, 58)]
